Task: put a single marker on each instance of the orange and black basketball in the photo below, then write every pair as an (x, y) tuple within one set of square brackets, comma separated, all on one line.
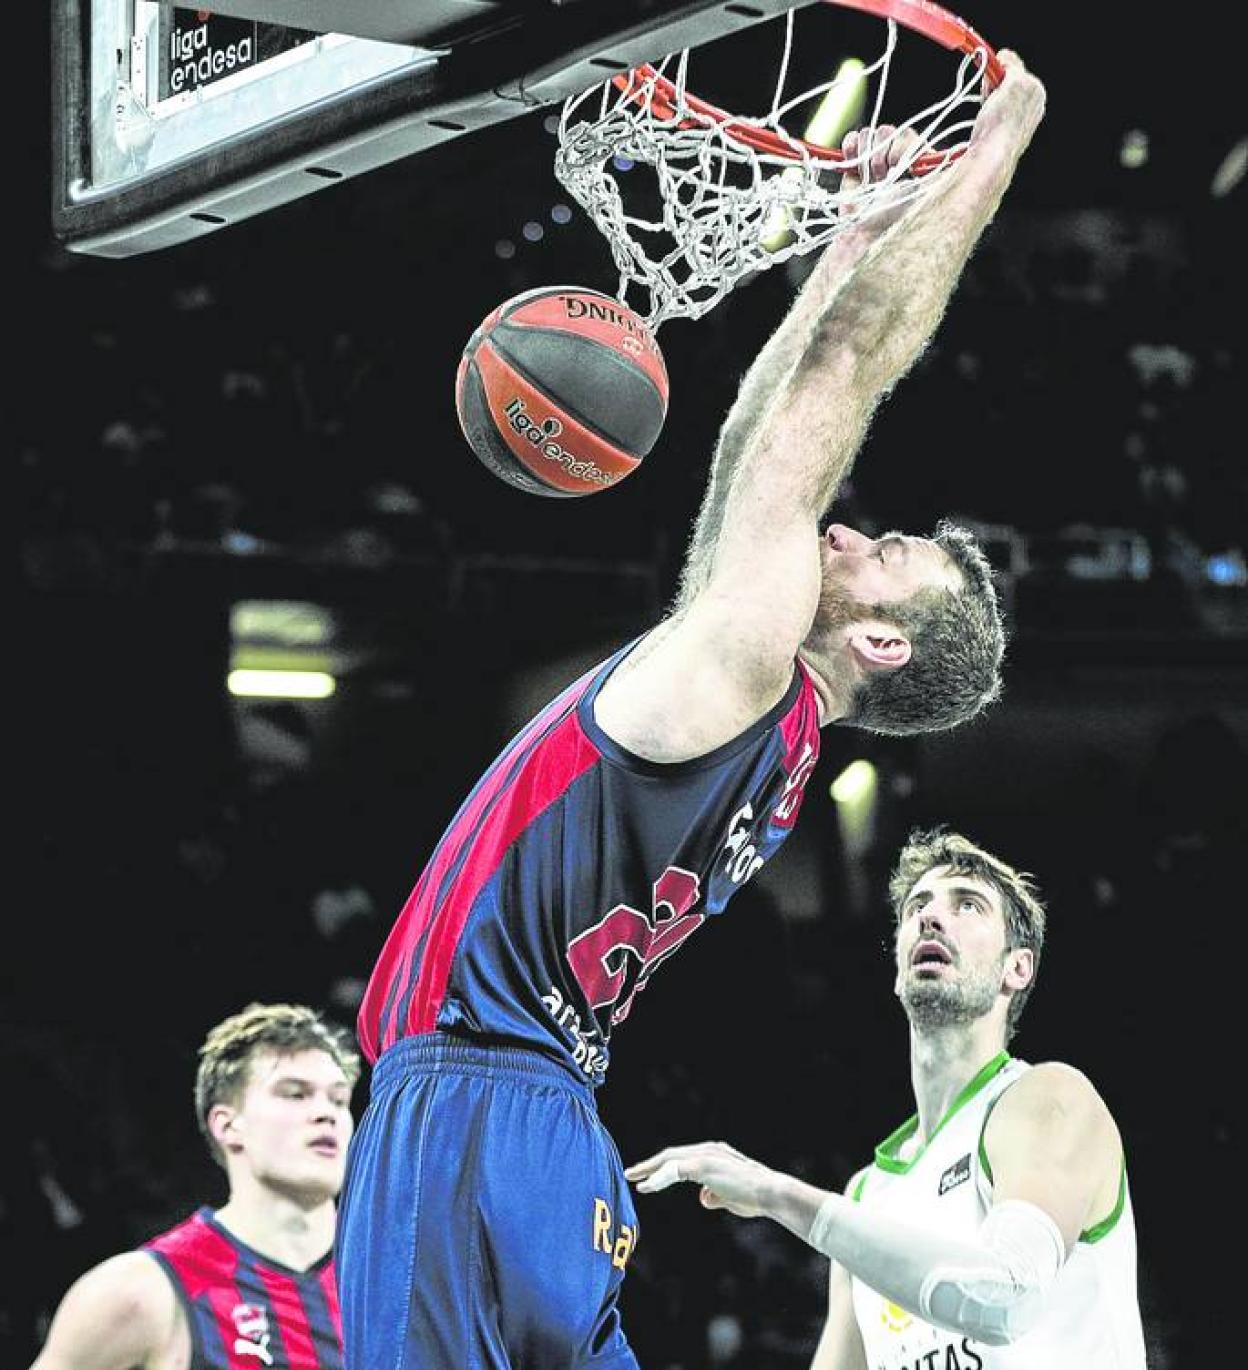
[(562, 391)]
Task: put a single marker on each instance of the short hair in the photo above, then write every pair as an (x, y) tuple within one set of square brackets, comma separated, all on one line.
[(957, 640), (1021, 901), (230, 1048)]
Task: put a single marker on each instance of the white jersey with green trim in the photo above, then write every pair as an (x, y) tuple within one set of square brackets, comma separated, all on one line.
[(1091, 1319)]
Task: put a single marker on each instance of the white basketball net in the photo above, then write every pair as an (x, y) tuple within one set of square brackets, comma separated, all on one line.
[(727, 209)]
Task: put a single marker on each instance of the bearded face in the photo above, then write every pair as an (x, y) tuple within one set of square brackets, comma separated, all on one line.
[(954, 962), (862, 576), (955, 994), (837, 610), (837, 607)]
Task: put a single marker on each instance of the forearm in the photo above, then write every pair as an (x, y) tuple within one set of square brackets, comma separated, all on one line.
[(773, 365), (892, 303), (894, 1258), (857, 338), (792, 1203), (867, 335), (766, 377), (873, 306), (990, 1286)]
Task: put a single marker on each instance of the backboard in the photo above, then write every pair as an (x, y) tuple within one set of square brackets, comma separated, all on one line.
[(170, 123)]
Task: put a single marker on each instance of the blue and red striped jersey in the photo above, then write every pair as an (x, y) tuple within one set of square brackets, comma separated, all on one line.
[(574, 869), (244, 1310)]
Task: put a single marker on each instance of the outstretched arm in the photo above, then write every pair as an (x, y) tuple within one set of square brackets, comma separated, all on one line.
[(866, 333), (753, 581), (1056, 1152), (770, 370)]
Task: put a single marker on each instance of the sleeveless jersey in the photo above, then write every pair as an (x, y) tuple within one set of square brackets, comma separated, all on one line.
[(246, 1312), (574, 869), (1091, 1319)]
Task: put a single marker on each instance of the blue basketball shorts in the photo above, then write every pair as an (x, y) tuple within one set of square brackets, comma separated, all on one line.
[(485, 1222)]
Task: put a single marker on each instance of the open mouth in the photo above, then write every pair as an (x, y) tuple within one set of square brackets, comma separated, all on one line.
[(325, 1146), (929, 955)]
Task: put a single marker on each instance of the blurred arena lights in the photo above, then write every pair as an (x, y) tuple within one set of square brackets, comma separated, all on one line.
[(855, 792), (1227, 568), (855, 783), (290, 623), (283, 649), (1133, 154), (1230, 170), (840, 108), (257, 684)]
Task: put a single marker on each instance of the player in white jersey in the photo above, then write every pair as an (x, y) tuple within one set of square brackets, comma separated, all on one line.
[(994, 1229)]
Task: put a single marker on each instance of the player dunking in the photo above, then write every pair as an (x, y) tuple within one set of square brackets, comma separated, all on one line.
[(485, 1219)]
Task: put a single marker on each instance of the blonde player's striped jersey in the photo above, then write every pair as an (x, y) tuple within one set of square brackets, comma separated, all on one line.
[(1091, 1319)]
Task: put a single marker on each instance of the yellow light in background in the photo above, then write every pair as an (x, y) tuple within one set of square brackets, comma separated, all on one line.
[(837, 113), (290, 623), (1133, 154), (282, 684), (855, 783), (855, 791), (840, 107)]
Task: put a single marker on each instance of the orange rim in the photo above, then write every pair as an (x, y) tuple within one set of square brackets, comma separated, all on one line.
[(920, 16)]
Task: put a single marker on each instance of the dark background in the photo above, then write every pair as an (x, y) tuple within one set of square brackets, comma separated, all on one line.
[(268, 415)]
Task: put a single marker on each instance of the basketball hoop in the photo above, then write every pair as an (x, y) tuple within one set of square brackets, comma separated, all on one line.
[(738, 194)]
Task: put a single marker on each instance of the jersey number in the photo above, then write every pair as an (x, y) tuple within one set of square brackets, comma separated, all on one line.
[(615, 958)]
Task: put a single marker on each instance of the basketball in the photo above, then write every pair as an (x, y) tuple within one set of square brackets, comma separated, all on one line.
[(561, 391)]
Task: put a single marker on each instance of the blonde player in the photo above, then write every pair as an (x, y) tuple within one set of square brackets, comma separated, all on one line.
[(253, 1283), (994, 1229)]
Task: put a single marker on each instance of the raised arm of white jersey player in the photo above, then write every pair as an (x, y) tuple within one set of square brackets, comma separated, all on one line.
[(751, 586)]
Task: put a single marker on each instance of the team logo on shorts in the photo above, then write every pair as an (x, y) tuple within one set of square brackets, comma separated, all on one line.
[(618, 1245)]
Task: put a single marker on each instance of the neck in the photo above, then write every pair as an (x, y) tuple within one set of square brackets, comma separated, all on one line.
[(835, 695), (292, 1231), (943, 1061)]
